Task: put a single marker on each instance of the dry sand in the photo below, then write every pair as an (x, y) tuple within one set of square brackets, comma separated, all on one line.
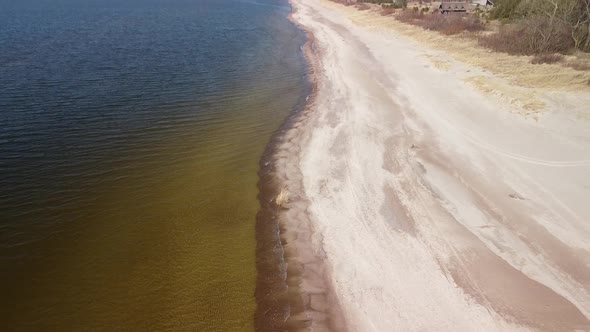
[(416, 202)]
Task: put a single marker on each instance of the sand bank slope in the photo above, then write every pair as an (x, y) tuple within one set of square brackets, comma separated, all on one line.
[(437, 207)]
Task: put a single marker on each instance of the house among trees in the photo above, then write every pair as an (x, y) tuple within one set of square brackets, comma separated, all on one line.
[(458, 6), (482, 2)]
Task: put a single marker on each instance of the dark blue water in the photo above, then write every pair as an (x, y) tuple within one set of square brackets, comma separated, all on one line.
[(130, 134)]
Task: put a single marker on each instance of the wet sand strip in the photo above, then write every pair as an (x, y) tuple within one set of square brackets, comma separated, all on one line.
[(292, 288)]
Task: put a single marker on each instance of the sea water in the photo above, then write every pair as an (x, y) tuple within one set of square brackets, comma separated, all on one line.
[(130, 136)]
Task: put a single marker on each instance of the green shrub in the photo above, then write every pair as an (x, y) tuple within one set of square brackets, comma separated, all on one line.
[(530, 36), (505, 9)]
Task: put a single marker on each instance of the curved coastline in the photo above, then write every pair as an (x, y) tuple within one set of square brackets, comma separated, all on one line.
[(293, 287)]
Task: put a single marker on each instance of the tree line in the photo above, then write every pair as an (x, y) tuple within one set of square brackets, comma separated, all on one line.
[(549, 21)]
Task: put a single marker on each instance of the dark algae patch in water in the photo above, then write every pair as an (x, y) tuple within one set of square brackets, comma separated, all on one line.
[(130, 137)]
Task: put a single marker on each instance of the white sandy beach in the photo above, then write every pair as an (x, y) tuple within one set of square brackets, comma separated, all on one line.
[(432, 206)]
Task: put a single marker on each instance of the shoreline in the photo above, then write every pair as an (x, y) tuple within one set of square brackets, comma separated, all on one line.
[(299, 295)]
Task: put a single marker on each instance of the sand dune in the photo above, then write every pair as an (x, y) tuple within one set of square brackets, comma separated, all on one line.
[(430, 205)]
